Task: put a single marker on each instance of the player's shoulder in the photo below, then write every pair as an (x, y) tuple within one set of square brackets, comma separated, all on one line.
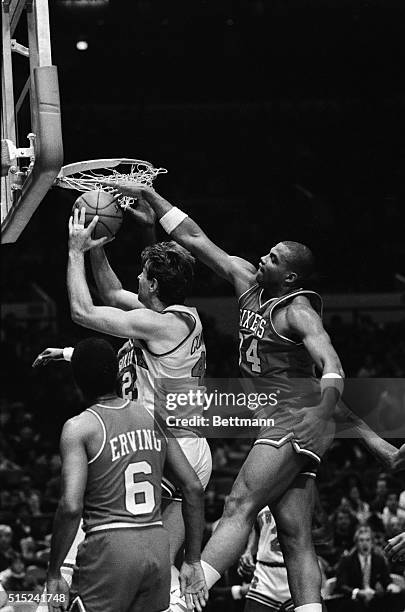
[(79, 426), (300, 311)]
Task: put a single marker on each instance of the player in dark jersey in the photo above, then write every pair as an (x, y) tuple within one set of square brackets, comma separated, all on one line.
[(112, 463), (282, 338)]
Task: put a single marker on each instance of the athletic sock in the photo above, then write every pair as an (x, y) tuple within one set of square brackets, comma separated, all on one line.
[(174, 581), (211, 574), (311, 607)]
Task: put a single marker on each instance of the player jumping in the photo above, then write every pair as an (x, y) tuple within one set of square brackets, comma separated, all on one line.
[(281, 338)]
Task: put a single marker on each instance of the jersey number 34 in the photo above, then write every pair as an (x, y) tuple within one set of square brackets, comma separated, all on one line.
[(251, 354)]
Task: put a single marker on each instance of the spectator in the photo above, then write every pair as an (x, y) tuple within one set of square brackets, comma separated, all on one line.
[(360, 508), (363, 577), (14, 578), (7, 553), (381, 491), (344, 527), (30, 496), (389, 515)]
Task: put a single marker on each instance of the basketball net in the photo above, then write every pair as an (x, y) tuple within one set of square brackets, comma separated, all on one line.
[(88, 176)]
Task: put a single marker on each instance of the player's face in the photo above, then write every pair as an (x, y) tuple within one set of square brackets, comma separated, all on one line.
[(142, 287), (273, 267)]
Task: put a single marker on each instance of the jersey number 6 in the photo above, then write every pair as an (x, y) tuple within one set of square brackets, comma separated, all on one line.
[(143, 489)]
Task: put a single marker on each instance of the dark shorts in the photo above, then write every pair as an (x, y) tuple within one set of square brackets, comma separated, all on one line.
[(277, 439), (282, 432), (123, 570)]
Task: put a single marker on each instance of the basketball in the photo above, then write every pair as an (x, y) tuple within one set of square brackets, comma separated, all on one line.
[(108, 210)]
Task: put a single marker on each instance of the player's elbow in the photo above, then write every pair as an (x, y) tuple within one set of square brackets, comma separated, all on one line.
[(79, 315), (193, 490), (70, 509)]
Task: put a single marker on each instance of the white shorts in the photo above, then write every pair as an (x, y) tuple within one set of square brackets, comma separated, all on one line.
[(198, 454), (269, 585)]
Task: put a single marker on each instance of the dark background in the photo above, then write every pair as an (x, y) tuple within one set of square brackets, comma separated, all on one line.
[(275, 118)]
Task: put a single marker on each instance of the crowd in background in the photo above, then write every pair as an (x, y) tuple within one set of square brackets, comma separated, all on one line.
[(354, 489)]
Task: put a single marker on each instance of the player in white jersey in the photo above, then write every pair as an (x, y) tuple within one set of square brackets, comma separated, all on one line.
[(268, 590), (162, 326)]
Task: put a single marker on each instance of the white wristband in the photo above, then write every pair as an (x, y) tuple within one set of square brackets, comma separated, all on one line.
[(334, 380), (67, 353), (172, 219), (236, 591)]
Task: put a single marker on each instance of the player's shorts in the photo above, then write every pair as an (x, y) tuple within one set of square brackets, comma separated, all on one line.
[(123, 570), (283, 433), (198, 454), (269, 591)]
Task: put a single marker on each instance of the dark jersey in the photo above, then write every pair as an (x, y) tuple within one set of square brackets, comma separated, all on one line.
[(263, 352), (124, 478)]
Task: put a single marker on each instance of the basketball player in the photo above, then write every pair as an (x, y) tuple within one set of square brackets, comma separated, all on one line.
[(268, 589), (166, 338), (112, 463), (282, 338)]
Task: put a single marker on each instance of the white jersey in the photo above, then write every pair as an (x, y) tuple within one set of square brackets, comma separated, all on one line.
[(268, 550), (142, 372), (269, 586)]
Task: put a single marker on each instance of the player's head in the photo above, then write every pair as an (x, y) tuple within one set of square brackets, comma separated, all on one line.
[(95, 367), (167, 274), (289, 264)]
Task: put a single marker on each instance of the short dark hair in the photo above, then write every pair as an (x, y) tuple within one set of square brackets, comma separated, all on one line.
[(95, 367), (173, 268), (301, 259)]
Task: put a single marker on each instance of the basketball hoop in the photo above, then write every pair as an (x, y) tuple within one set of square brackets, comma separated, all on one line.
[(87, 175)]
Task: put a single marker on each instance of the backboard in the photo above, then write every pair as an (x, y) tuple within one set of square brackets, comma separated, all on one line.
[(31, 133)]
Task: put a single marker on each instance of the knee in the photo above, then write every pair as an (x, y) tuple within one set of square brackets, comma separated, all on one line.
[(294, 535)]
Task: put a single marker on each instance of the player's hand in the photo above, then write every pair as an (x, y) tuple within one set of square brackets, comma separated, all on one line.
[(313, 427), (58, 594), (80, 239), (141, 212), (128, 188), (246, 564), (395, 549), (49, 354), (193, 586), (398, 461)]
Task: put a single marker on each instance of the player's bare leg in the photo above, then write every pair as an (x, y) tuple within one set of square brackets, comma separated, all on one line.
[(293, 515), (265, 476)]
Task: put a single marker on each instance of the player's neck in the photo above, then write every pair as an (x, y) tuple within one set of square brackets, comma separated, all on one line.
[(275, 291), (108, 398), (156, 305)]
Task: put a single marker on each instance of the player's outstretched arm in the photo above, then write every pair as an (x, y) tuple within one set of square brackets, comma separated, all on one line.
[(239, 272), (49, 354), (108, 284), (391, 457), (69, 511), (192, 581)]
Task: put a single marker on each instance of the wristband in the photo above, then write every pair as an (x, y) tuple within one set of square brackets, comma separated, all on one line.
[(236, 591), (67, 353), (332, 380), (172, 219)]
